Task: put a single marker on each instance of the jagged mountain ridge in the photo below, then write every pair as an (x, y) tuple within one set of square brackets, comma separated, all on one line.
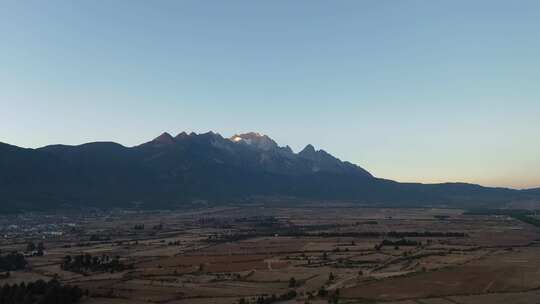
[(170, 171), (164, 170), (258, 152)]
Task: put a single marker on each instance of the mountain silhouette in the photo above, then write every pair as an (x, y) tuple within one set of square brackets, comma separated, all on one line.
[(177, 171)]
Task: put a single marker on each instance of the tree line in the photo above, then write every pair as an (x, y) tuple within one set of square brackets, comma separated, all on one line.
[(40, 292), (291, 294), (293, 232), (87, 263), (12, 261)]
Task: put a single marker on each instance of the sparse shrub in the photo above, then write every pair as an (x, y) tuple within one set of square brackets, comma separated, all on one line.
[(331, 277), (292, 282)]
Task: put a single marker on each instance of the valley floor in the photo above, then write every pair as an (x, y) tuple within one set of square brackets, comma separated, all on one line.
[(306, 254)]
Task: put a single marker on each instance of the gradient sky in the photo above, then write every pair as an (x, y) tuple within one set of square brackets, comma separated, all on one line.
[(426, 91)]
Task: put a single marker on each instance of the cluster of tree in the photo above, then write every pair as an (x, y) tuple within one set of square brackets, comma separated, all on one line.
[(87, 263), (508, 212), (396, 244), (337, 249), (293, 283), (366, 223), (391, 234), (259, 221), (215, 222), (324, 256), (331, 277), (401, 242), (333, 297), (41, 292), (344, 263), (297, 232), (12, 261), (99, 238), (363, 234), (291, 294), (322, 292), (87, 244), (399, 235), (231, 237), (441, 217), (38, 249)]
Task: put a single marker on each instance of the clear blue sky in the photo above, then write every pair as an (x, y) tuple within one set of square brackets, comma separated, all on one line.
[(425, 91)]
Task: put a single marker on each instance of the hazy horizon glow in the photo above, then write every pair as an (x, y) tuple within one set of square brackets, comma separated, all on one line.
[(416, 91)]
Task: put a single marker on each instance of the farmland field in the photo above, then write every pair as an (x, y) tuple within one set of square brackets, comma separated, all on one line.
[(307, 254)]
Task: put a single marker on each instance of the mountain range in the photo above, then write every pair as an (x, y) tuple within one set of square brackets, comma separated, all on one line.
[(189, 168)]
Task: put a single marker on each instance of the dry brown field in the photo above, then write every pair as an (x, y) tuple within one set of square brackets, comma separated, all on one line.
[(223, 255)]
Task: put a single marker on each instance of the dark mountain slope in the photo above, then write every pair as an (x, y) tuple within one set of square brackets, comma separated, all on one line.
[(170, 171)]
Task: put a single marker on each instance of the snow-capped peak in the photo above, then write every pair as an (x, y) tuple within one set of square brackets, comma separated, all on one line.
[(256, 140)]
